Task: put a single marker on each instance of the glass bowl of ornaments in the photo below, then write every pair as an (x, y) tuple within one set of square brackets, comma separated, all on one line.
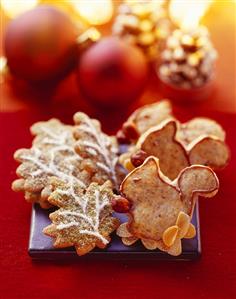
[(187, 65)]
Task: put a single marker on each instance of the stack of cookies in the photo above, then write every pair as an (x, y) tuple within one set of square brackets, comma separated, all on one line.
[(78, 170)]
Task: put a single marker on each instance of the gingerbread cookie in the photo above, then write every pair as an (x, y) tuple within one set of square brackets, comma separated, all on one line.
[(142, 119), (160, 210), (84, 218), (162, 142), (98, 151)]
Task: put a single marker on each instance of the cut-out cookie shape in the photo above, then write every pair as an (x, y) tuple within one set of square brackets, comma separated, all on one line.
[(171, 238), (142, 119), (52, 154), (98, 150), (152, 115), (84, 218), (161, 209), (197, 127), (163, 143)]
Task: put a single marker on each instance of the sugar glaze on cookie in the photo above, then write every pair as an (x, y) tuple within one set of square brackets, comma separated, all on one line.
[(52, 155), (84, 218), (98, 149)]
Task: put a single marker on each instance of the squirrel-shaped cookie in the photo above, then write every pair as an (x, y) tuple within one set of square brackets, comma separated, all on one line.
[(153, 114), (160, 210), (142, 119), (198, 126), (163, 142)]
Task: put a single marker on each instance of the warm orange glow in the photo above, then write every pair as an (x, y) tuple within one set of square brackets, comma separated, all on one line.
[(94, 12), (12, 8), (150, 3), (187, 13), (3, 68)]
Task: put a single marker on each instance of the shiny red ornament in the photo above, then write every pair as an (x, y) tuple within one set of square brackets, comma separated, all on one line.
[(40, 44), (112, 73)]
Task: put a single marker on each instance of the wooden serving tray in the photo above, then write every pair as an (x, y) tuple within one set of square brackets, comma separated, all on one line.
[(40, 246)]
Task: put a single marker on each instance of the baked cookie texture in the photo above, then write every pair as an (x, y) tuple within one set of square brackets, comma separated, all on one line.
[(84, 218), (152, 115), (199, 126), (161, 209), (177, 147), (77, 168), (143, 119), (55, 153), (52, 154), (99, 151)]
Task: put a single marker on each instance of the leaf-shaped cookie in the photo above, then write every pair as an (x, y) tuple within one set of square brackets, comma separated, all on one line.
[(156, 202), (84, 218), (52, 154), (98, 150)]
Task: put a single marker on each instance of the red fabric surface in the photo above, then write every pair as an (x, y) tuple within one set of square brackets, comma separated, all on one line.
[(213, 276)]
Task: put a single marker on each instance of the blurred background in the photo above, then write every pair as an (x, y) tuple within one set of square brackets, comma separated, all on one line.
[(106, 18), (107, 58)]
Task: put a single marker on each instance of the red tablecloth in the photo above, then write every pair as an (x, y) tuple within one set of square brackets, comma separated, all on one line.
[(213, 276)]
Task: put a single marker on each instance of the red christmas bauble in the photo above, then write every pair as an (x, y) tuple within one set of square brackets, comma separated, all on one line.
[(40, 45), (112, 73)]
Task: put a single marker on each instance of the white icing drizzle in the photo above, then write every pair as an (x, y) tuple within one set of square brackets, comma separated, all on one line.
[(92, 221), (68, 213), (70, 191), (91, 151), (103, 166), (59, 143), (92, 145), (98, 235), (102, 143), (55, 139), (51, 169)]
